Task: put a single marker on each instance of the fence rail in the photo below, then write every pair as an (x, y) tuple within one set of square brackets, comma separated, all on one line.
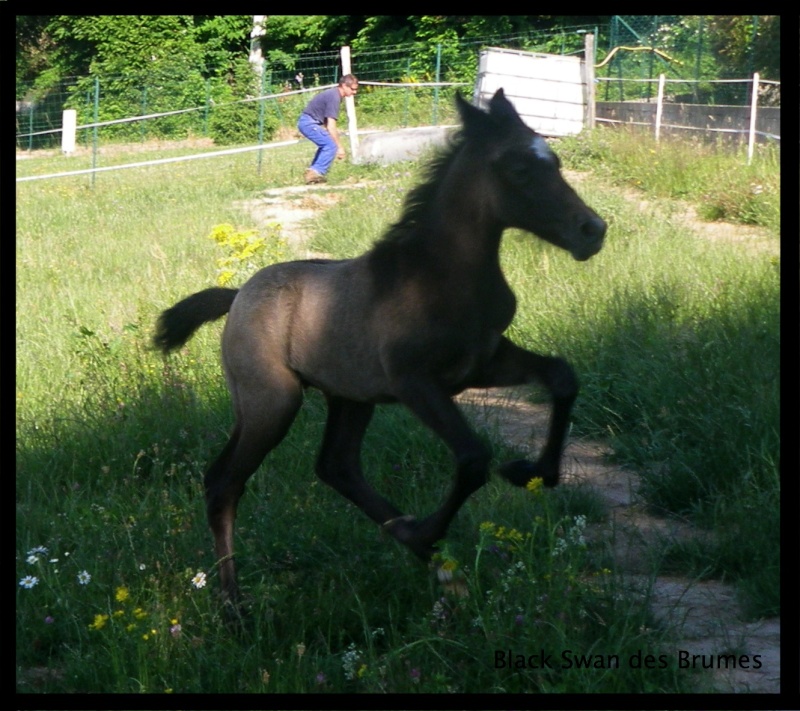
[(653, 115), (739, 121)]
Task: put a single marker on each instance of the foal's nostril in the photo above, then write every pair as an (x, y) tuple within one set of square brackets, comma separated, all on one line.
[(594, 228)]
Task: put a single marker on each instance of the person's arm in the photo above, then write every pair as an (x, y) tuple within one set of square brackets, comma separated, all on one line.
[(330, 124)]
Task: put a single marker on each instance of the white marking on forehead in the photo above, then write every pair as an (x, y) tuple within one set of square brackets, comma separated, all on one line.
[(541, 149)]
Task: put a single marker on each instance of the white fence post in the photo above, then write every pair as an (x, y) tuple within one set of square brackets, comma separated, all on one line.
[(351, 108), (659, 105), (258, 31), (753, 109), (69, 123), (588, 65)]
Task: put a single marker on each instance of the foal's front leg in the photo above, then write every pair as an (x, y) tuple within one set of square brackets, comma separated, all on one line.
[(512, 365), (435, 408)]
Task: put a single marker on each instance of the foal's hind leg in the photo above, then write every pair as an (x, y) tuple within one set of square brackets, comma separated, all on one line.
[(339, 462), (264, 414)]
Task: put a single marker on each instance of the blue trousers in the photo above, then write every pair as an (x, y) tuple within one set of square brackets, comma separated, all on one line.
[(319, 136)]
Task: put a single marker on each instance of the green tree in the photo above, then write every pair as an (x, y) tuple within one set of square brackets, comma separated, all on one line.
[(747, 43), (223, 39), (145, 63)]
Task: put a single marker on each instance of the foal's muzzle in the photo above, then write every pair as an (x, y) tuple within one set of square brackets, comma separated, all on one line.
[(589, 239)]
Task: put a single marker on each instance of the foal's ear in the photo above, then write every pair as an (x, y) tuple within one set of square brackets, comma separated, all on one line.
[(467, 111), (502, 108)]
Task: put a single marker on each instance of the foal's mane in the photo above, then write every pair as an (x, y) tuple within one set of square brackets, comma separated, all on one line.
[(419, 199)]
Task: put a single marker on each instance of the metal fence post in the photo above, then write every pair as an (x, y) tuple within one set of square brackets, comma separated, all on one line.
[(208, 103), (30, 125), (94, 130), (262, 105), (435, 120)]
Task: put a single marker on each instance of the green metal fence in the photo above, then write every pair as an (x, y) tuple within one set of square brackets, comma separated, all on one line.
[(177, 105), (641, 47), (197, 106)]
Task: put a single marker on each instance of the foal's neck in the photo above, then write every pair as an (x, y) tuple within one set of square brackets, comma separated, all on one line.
[(465, 227)]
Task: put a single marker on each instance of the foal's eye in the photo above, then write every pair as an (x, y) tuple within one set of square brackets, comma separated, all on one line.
[(519, 168)]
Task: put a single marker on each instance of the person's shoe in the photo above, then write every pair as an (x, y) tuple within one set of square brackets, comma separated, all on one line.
[(313, 177)]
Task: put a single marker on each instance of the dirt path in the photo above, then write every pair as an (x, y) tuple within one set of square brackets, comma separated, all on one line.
[(704, 615)]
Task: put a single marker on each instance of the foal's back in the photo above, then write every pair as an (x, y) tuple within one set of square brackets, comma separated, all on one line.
[(318, 319)]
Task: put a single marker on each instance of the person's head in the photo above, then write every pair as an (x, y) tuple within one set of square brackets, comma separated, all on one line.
[(348, 85)]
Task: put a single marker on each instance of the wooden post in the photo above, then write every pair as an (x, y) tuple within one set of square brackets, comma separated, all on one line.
[(660, 104), (352, 124), (588, 64), (753, 110)]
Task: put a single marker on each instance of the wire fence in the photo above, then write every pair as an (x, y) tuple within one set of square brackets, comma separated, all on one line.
[(401, 85), (187, 104)]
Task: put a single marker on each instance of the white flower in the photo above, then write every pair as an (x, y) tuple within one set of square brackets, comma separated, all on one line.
[(199, 580), (32, 558), (38, 550), (349, 661), (29, 581), (84, 577)]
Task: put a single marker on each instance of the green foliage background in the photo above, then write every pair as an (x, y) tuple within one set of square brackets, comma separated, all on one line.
[(196, 67)]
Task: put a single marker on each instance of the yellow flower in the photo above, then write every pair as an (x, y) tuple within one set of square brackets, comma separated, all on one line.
[(220, 233), (99, 622), (535, 485), (514, 535), (122, 594), (449, 565), (225, 277), (361, 670), (487, 527)]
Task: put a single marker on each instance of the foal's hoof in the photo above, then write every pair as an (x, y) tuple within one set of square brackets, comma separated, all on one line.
[(521, 471), (400, 527), (413, 534)]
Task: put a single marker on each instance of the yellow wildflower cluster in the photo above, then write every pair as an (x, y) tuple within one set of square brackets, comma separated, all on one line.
[(99, 622), (242, 247), (501, 533), (127, 619), (535, 485)]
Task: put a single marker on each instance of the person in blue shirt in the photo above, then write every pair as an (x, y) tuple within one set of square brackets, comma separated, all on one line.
[(318, 124)]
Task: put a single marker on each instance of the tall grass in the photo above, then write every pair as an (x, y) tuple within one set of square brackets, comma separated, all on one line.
[(715, 177), (113, 439)]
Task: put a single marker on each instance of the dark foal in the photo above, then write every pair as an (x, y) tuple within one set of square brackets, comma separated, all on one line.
[(416, 320)]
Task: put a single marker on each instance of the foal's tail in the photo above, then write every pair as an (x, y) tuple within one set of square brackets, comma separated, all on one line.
[(176, 325)]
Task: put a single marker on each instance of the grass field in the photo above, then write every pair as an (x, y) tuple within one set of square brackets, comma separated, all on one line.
[(676, 341)]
